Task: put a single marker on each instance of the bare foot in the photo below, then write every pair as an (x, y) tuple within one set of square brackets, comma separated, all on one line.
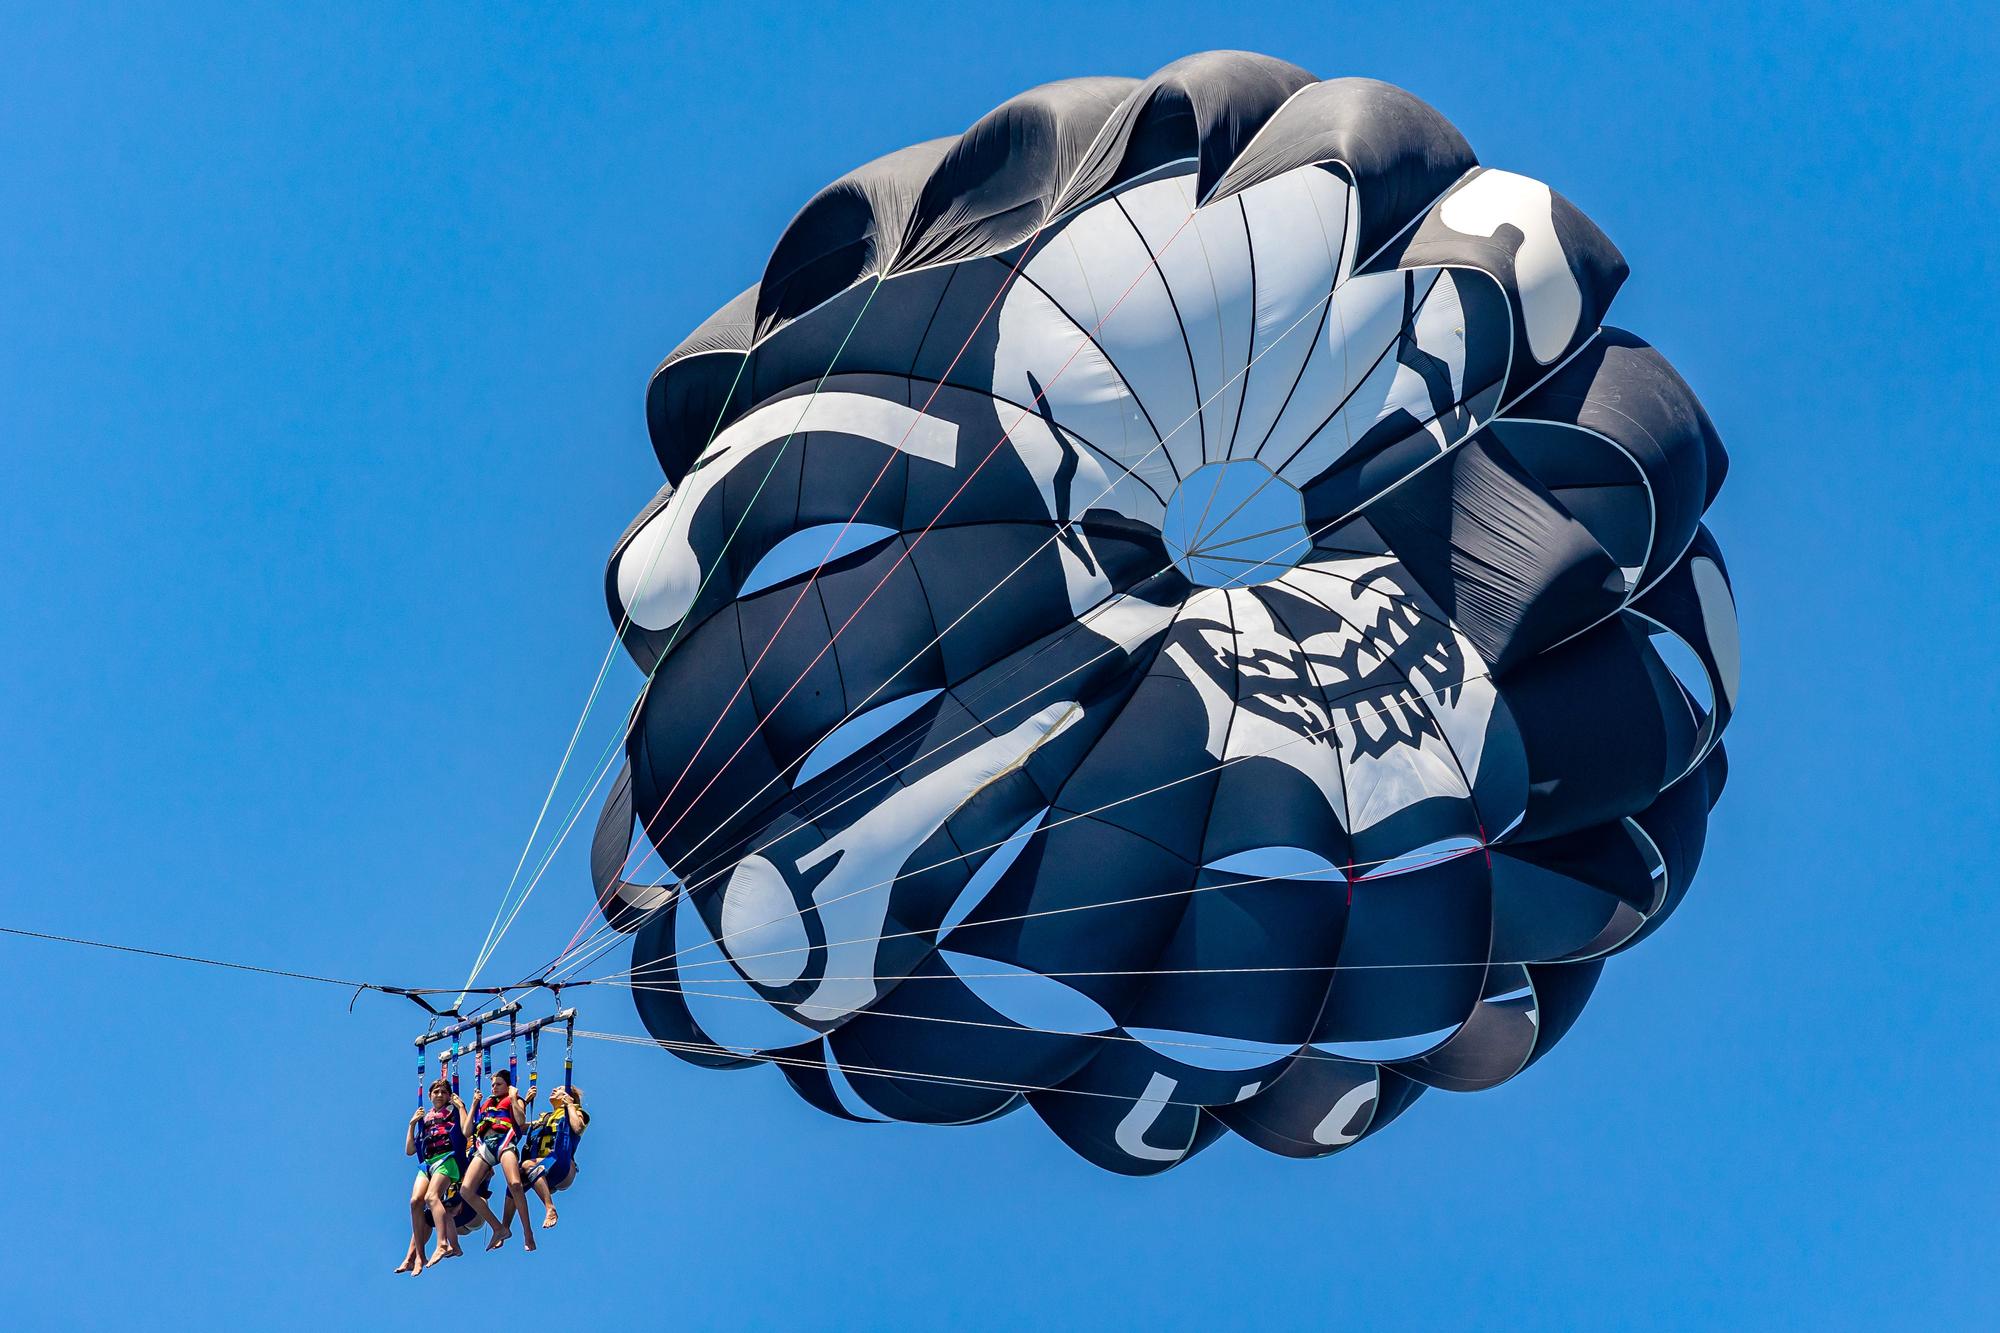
[(499, 1238), (549, 1217), (528, 1238), (409, 1262), (438, 1255)]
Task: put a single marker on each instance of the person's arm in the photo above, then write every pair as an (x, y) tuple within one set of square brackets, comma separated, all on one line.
[(464, 1115), (410, 1133), (575, 1114), (518, 1121)]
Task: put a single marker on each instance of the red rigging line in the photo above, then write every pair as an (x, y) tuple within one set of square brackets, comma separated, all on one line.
[(888, 462), (646, 830), (604, 763), (712, 873), (701, 877)]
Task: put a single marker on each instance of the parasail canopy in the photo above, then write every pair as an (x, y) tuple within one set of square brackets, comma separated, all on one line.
[(1172, 609)]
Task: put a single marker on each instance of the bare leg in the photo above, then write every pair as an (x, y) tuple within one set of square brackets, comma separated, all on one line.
[(548, 1202), (475, 1176), (510, 1166), (447, 1231), (413, 1258)]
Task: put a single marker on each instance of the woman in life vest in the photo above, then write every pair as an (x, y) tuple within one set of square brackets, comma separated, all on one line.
[(548, 1150), (495, 1135), (435, 1136)]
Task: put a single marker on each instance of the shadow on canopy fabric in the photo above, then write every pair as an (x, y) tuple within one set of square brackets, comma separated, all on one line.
[(1445, 712)]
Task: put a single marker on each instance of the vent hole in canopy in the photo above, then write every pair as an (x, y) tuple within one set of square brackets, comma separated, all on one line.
[(1234, 524)]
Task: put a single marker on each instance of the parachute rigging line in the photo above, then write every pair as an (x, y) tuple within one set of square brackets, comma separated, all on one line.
[(1066, 632), (1306, 1052), (690, 886), (703, 877), (1083, 814), (583, 799), (1319, 306), (878, 1071), (495, 936), (673, 958), (888, 462), (415, 994), (1401, 699), (606, 759), (1497, 414), (589, 703), (909, 547)]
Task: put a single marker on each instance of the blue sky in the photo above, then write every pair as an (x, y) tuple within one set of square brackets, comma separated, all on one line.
[(322, 346)]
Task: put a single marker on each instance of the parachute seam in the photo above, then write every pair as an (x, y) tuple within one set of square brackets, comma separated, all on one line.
[(1090, 338), (1403, 328), (1187, 348), (1336, 280), (963, 485), (1228, 730), (1125, 469), (1243, 390), (1312, 678), (1129, 471)]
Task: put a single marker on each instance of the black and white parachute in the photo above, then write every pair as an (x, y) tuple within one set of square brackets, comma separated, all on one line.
[(1172, 608)]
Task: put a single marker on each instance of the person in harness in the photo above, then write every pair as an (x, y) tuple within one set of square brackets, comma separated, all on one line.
[(548, 1151), (496, 1131), (436, 1137)]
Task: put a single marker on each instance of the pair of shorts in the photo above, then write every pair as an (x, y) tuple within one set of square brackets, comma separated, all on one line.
[(488, 1147), (540, 1167), (444, 1164)]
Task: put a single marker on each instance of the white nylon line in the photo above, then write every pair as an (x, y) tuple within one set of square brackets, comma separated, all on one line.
[(675, 957), (490, 942), (1497, 415), (690, 886), (1359, 717), (909, 550), (626, 620), (613, 932), (1302, 1050), (1419, 697), (1413, 698), (902, 1075), (1202, 551), (606, 760), (1215, 768), (1030, 975), (1063, 527), (811, 580), (1415, 218), (646, 828), (993, 303)]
